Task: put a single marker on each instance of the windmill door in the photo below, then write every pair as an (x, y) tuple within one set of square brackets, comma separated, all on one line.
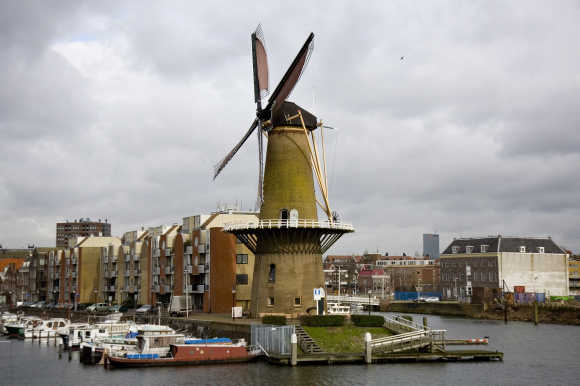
[(294, 218)]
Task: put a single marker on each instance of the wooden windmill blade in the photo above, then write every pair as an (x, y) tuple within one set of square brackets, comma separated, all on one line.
[(222, 164), (291, 76), (260, 65)]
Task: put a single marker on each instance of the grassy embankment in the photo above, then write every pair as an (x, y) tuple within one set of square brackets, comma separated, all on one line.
[(344, 339)]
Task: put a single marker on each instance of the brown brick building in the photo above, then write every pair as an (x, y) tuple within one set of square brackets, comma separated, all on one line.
[(82, 227)]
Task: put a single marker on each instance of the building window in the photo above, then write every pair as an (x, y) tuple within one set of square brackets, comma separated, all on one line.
[(284, 214), (454, 249), (242, 278), (272, 274), (297, 301), (484, 248), (540, 249), (270, 300), (241, 258), (468, 249), (522, 249), (491, 276)]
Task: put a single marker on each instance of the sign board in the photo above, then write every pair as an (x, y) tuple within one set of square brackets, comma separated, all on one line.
[(236, 312), (318, 293)]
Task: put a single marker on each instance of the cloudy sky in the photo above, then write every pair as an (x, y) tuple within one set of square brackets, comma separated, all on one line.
[(119, 110)]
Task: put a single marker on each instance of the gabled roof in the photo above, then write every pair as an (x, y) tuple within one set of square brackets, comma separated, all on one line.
[(16, 261), (504, 244)]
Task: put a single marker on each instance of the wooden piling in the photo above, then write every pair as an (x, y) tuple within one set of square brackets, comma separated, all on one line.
[(368, 349), (425, 325), (536, 313)]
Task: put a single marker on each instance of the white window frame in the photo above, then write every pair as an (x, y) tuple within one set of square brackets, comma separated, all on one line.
[(541, 250), (454, 249), (522, 249)]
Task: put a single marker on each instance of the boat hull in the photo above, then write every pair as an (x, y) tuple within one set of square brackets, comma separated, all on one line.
[(189, 355)]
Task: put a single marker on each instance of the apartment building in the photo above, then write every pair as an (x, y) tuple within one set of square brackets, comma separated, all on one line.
[(82, 227)]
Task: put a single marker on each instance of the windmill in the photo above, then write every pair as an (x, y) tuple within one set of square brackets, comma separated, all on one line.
[(288, 240)]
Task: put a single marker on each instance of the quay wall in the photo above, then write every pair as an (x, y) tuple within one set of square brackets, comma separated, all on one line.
[(449, 309)]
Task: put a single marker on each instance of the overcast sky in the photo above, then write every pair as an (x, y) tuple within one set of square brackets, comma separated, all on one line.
[(119, 110)]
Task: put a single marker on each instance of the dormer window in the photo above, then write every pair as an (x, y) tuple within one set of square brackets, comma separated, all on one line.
[(468, 249), (523, 249), (540, 249), (484, 248), (454, 249)]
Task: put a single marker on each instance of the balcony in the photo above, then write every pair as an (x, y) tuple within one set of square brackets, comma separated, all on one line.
[(127, 258), (156, 270), (201, 248), (167, 288), (73, 274), (156, 252), (112, 288), (114, 259), (114, 273), (127, 273), (155, 288), (201, 268), (169, 270), (188, 269), (135, 257), (167, 251), (106, 259), (188, 250), (73, 260)]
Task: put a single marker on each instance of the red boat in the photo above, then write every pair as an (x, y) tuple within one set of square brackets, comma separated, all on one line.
[(189, 354)]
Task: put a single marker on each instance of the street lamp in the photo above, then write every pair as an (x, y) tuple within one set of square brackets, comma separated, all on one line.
[(233, 301), (369, 302)]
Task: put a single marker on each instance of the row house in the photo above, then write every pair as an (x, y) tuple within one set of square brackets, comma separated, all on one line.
[(495, 263), (375, 282), (8, 279), (196, 259), (409, 274)]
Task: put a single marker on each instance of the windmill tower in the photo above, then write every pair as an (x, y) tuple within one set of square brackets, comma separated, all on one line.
[(289, 239)]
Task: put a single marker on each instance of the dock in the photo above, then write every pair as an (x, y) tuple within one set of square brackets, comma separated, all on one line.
[(359, 358)]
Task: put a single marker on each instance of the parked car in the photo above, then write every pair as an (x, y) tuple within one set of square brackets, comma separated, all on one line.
[(144, 309), (431, 299), (98, 307), (118, 308)]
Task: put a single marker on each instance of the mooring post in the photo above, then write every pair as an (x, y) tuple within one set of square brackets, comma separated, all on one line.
[(505, 311), (368, 348), (294, 342), (536, 316), (425, 326)]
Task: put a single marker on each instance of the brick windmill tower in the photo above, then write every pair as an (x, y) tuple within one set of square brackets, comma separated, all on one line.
[(289, 239)]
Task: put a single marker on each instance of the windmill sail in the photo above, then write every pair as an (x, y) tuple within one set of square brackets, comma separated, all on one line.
[(291, 76), (260, 63), (222, 164)]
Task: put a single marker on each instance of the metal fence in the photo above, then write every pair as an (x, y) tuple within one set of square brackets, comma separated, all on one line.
[(274, 340)]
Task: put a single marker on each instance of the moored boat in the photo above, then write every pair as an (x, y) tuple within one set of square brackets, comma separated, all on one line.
[(189, 354)]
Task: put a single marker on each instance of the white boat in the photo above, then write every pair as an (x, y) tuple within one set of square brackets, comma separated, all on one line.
[(23, 323), (46, 329), (337, 309), (7, 318)]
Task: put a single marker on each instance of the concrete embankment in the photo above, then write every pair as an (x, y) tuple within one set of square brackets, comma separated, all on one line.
[(547, 313)]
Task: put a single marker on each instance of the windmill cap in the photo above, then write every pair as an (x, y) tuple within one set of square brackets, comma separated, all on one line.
[(289, 109)]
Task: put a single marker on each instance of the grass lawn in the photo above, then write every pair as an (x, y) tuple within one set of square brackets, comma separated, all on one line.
[(344, 339)]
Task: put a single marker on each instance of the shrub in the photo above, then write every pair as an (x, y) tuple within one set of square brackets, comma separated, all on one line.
[(322, 320), (368, 320), (274, 319)]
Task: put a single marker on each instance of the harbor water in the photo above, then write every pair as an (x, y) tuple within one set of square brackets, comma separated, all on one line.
[(546, 354)]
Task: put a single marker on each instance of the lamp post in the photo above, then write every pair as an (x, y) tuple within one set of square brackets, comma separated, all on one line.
[(233, 301), (369, 302)]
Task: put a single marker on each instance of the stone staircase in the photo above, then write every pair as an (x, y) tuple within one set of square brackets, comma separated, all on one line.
[(307, 344)]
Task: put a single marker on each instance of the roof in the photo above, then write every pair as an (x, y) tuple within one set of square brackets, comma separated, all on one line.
[(16, 261), (16, 253), (289, 109), (504, 244), (99, 242)]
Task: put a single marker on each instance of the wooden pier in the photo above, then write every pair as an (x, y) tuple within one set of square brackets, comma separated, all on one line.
[(354, 358)]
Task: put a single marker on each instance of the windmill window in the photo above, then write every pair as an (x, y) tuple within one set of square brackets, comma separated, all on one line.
[(272, 274), (270, 300), (297, 301), (284, 214)]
